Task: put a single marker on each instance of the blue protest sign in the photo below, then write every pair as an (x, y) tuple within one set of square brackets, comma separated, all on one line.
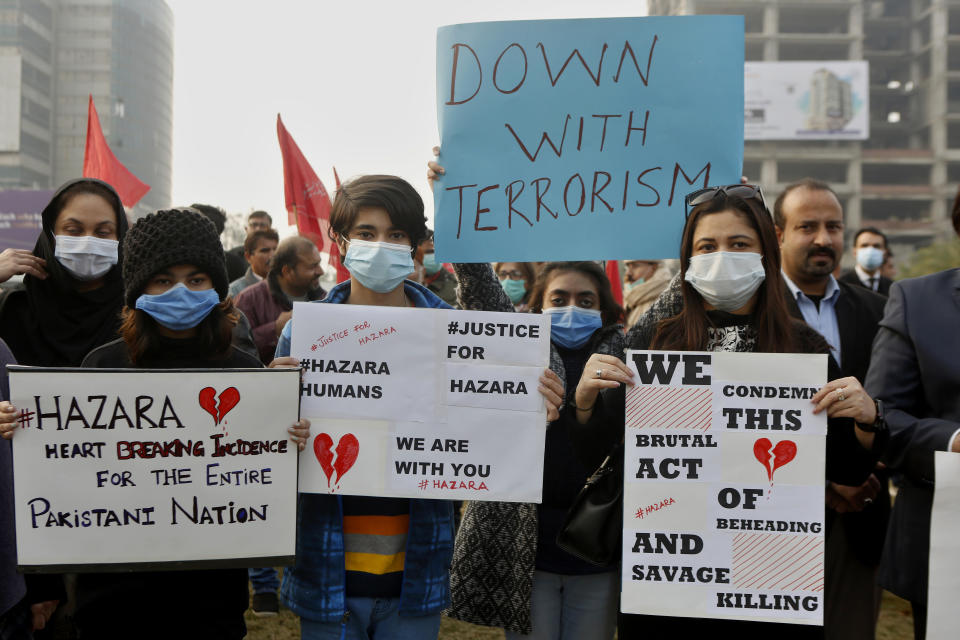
[(578, 139)]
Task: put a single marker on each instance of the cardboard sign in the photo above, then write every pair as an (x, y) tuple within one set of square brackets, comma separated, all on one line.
[(131, 469), (422, 403), (723, 486), (944, 580), (578, 139)]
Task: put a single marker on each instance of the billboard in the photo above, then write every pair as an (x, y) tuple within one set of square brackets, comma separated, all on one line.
[(10, 102), (20, 217), (818, 100)]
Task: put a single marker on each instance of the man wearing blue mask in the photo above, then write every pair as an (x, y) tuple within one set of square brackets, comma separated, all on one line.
[(870, 251)]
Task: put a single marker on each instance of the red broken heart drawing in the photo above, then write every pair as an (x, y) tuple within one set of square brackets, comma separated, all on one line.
[(347, 451), (784, 452), (228, 399)]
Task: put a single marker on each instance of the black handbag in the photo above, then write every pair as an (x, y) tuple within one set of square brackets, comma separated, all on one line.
[(593, 527)]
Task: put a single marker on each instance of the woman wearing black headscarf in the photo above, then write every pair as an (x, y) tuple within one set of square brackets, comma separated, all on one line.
[(72, 294), (69, 305)]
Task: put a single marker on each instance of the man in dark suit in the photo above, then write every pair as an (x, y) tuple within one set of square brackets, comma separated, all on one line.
[(870, 250), (809, 222), (916, 375)]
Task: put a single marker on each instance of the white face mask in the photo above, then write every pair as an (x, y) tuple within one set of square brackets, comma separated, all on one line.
[(726, 279), (870, 258), (86, 257)]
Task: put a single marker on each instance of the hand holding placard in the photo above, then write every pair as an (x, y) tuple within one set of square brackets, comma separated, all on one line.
[(723, 469), (419, 402), (159, 464)]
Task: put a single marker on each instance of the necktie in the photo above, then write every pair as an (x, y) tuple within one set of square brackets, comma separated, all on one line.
[(873, 283)]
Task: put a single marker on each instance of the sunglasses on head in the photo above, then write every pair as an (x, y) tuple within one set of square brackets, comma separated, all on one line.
[(744, 191)]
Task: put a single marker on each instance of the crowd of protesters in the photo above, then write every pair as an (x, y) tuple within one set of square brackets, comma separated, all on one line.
[(163, 293)]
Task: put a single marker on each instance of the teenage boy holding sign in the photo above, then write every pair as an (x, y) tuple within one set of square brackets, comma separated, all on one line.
[(370, 567)]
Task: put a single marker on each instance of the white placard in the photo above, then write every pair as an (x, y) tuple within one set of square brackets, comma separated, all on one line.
[(358, 360), (137, 468), (820, 100), (723, 487), (456, 414), (944, 580)]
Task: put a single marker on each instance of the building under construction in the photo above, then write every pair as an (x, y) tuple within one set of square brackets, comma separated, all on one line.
[(904, 177)]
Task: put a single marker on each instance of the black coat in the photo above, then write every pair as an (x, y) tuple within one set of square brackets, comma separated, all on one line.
[(850, 277), (859, 311), (916, 373), (236, 263)]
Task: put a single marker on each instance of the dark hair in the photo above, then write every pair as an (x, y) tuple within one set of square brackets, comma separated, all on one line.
[(529, 273), (86, 186), (141, 334), (400, 200), (609, 309), (872, 230), (288, 253), (260, 214), (687, 331), (956, 213), (250, 244), (807, 183), (216, 215)]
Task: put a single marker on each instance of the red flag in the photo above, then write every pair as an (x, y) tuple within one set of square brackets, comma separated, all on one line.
[(100, 163), (616, 286), (306, 199), (342, 273)]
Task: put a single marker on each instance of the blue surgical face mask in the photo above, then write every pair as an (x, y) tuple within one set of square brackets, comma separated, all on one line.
[(430, 264), (379, 266), (630, 285), (515, 289), (571, 327), (179, 308), (870, 258)]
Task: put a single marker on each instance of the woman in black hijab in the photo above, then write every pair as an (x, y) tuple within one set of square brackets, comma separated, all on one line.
[(72, 294)]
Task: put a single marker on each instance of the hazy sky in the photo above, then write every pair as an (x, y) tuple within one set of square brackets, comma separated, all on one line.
[(353, 81)]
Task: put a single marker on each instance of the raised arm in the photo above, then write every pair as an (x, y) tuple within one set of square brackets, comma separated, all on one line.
[(478, 288)]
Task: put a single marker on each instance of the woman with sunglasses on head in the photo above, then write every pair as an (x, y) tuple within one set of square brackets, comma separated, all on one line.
[(731, 299)]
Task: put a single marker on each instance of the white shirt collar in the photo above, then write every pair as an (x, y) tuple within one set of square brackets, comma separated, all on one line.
[(864, 276), (830, 292)]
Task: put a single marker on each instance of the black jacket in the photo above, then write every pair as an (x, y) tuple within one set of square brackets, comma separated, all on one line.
[(236, 263), (859, 311), (850, 277), (916, 374)]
